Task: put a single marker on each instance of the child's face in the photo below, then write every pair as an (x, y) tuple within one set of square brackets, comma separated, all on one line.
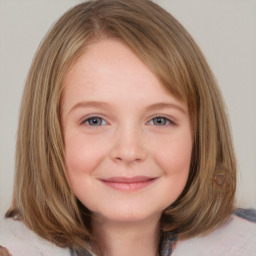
[(128, 141)]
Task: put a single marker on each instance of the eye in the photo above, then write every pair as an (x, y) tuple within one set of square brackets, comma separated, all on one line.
[(94, 121), (160, 121)]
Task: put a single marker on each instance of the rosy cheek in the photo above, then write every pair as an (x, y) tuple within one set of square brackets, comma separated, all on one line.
[(175, 158), (82, 156), (74, 154)]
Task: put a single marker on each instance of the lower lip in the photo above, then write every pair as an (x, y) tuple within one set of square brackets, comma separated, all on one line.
[(128, 186)]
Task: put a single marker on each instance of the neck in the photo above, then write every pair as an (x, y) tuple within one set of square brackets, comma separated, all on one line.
[(129, 238)]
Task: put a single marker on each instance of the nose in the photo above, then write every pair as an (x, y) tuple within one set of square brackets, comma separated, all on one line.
[(129, 146)]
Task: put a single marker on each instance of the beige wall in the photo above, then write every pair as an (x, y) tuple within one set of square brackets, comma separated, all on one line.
[(224, 29)]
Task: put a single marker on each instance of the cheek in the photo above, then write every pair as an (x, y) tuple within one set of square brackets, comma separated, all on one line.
[(175, 164), (174, 158), (175, 155), (81, 157)]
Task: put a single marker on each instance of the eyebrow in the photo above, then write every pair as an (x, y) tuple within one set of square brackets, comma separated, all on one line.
[(99, 104), (166, 105), (85, 104)]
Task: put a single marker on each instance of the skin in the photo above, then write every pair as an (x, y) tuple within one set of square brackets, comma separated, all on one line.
[(128, 144)]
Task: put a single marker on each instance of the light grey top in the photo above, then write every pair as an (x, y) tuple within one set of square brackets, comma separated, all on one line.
[(237, 237)]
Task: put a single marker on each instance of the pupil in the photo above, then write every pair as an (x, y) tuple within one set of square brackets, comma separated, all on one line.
[(95, 121), (159, 120)]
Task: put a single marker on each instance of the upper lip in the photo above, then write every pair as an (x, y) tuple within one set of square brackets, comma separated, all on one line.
[(128, 179)]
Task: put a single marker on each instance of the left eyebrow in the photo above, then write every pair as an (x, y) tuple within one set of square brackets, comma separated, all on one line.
[(166, 105)]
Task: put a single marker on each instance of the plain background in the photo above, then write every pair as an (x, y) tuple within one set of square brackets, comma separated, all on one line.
[(224, 29)]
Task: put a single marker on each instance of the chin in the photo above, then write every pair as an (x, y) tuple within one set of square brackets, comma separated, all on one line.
[(127, 215)]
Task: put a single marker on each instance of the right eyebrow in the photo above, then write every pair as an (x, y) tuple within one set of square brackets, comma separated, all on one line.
[(84, 104)]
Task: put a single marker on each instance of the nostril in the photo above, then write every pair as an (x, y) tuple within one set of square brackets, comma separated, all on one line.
[(127, 149), (126, 159)]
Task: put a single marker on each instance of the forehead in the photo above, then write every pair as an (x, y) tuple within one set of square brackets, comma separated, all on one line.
[(109, 57), (109, 67)]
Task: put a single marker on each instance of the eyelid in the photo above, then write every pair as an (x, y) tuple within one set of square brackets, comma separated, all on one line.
[(86, 118), (170, 120)]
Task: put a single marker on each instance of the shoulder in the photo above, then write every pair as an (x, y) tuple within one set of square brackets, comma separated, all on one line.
[(20, 241), (236, 237)]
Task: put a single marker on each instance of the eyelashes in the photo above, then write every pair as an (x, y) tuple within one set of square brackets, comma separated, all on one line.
[(160, 121), (95, 121)]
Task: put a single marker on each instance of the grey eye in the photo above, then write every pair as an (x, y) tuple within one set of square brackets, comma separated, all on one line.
[(160, 121), (95, 121)]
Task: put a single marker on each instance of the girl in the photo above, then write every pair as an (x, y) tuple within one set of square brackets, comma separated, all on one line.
[(123, 144)]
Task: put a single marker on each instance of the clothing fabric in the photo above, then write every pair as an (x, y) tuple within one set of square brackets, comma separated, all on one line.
[(237, 237), (21, 241), (248, 214)]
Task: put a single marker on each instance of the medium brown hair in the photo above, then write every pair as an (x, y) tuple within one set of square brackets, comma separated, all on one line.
[(42, 197)]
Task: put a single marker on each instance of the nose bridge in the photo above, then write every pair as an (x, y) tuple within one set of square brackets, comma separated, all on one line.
[(129, 144)]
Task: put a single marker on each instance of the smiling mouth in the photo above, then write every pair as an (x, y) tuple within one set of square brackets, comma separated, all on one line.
[(128, 184)]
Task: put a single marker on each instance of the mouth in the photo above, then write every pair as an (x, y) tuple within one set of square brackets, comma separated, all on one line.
[(128, 183)]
